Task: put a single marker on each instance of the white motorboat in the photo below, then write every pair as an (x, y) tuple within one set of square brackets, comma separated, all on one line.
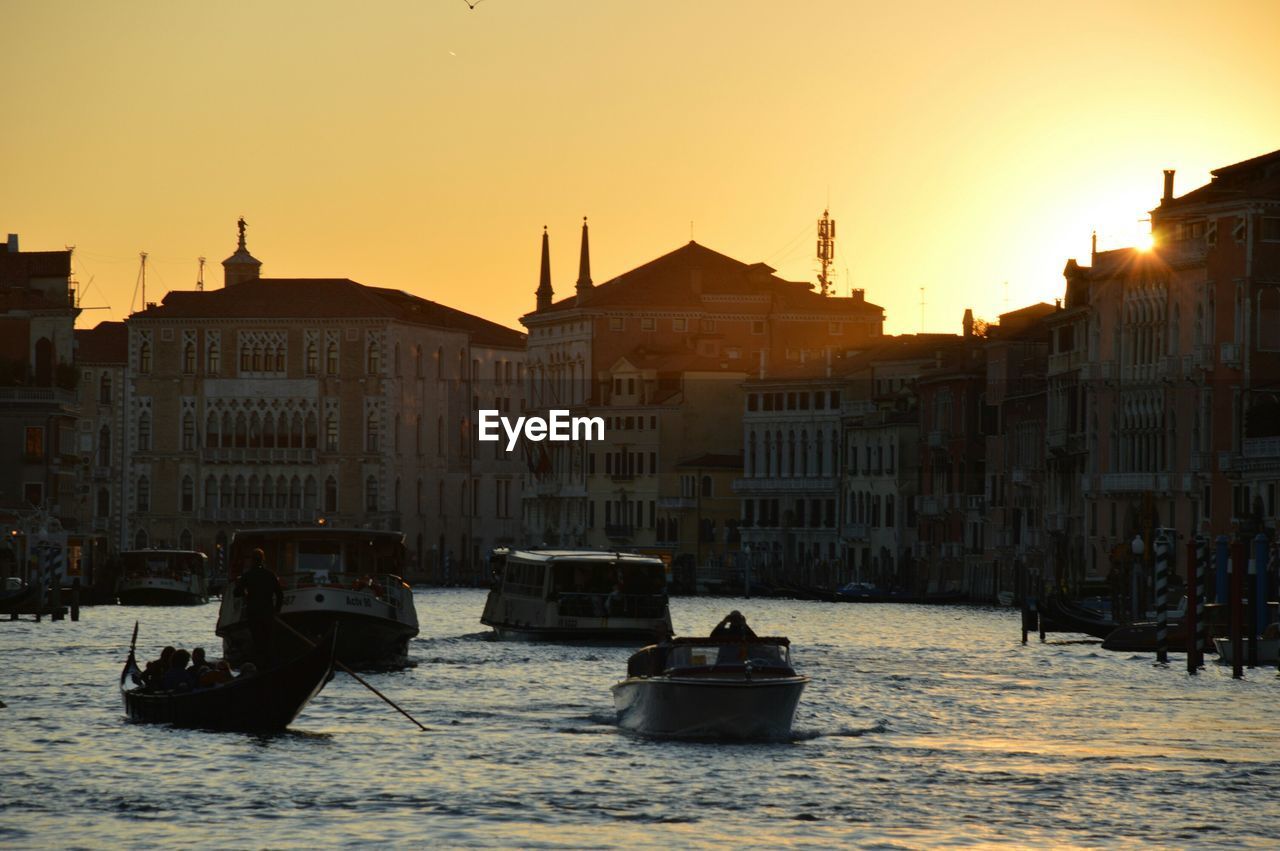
[(1268, 650), (731, 688), (162, 578), (347, 577), (577, 595)]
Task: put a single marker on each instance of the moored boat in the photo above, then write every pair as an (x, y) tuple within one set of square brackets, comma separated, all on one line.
[(734, 688), (262, 701), (17, 596), (162, 578), (345, 577), (567, 595), (1268, 650)]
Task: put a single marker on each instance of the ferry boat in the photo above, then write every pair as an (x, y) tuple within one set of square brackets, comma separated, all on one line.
[(566, 595), (162, 578), (735, 688), (348, 577)]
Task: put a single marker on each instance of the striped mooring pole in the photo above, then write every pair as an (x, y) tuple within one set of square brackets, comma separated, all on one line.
[(1162, 602), (1195, 601), (1204, 567)]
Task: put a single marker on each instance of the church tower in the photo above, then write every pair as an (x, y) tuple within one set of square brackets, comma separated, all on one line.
[(544, 293), (242, 266)]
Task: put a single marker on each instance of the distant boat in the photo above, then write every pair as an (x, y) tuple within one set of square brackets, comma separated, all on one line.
[(731, 688), (18, 596), (163, 578), (577, 595), (1005, 598)]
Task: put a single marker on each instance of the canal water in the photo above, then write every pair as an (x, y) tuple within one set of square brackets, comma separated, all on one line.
[(921, 727)]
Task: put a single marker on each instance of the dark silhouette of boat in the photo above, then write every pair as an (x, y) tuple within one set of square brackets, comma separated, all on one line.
[(1064, 615), (19, 597), (265, 701)]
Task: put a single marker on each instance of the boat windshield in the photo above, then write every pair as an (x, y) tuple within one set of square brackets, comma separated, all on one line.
[(162, 564), (609, 588), (683, 656)]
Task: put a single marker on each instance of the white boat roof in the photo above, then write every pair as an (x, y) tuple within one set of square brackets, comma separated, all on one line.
[(580, 555)]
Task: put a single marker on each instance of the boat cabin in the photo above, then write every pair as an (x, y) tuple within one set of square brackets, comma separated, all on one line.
[(763, 657), (179, 565), (322, 556)]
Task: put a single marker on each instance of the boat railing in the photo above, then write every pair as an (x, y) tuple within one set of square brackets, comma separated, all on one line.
[(579, 605)]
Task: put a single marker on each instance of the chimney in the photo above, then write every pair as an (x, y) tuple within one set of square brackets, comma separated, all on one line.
[(1093, 248), (859, 296), (12, 244), (968, 322), (1168, 185), (544, 293)]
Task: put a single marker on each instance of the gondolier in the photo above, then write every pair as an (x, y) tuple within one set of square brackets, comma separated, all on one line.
[(263, 599)]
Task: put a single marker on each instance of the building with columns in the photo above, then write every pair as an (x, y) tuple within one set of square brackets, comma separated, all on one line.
[(278, 401)]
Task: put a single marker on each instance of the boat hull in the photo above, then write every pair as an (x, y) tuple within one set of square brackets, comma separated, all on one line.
[(603, 633), (372, 633), (159, 592), (698, 707), (264, 702), (1268, 651)]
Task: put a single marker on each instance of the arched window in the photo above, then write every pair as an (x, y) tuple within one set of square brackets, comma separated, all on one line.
[(440, 362), (189, 357), (211, 430), (331, 494), (371, 494), (213, 361), (144, 357), (188, 430), (295, 431), (104, 503), (255, 429), (1269, 319), (440, 435), (417, 361), (312, 358), (282, 492), (188, 496), (210, 493), (228, 429), (143, 494), (269, 431), (706, 486), (268, 492), (295, 493), (395, 496), (331, 358), (104, 447), (418, 501), (309, 494), (371, 432), (257, 359), (255, 491), (104, 388), (241, 494), (309, 436), (373, 358), (246, 357), (242, 430), (279, 358), (144, 431), (140, 540), (331, 432)]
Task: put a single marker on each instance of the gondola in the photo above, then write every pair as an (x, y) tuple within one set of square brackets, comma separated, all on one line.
[(18, 597), (265, 701), (1063, 615)]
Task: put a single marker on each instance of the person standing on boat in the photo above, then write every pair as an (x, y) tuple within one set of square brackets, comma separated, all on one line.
[(263, 599), (734, 625)]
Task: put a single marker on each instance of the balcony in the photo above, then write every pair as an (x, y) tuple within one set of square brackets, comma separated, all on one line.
[(677, 503), (858, 532), (14, 396), (821, 484), (618, 531), (1087, 484), (1171, 368), (1260, 454), (623, 477), (1128, 482), (1228, 462), (1100, 370), (256, 455), (929, 506), (259, 515), (1065, 362), (1164, 484), (1198, 462), (1057, 437)]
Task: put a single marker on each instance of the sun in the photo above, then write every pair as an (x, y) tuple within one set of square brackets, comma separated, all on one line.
[(1145, 242)]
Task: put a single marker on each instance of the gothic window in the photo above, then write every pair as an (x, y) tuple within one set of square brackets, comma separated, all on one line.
[(371, 432), (331, 359), (104, 388), (188, 430), (313, 358), (143, 494), (213, 363), (104, 447), (309, 436), (188, 495), (371, 494), (331, 432), (144, 432), (144, 357), (189, 358), (211, 431), (373, 359), (210, 493), (331, 494), (309, 494)]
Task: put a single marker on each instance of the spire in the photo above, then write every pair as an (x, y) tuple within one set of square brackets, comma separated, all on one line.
[(242, 266), (544, 293), (584, 262)]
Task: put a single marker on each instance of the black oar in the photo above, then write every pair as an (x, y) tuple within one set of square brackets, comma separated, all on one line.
[(357, 677)]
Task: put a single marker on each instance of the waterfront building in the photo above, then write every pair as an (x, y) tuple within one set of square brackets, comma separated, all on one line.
[(687, 328), (1012, 535), (278, 401), (38, 410)]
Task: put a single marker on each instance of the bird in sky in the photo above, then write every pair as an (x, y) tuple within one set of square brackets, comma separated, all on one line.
[(471, 5)]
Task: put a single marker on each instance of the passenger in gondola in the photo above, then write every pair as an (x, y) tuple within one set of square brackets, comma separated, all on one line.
[(198, 660), (734, 625), (178, 676), (156, 669), (217, 675), (263, 600)]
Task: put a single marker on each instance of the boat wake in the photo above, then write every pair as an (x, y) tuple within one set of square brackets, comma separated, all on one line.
[(801, 735)]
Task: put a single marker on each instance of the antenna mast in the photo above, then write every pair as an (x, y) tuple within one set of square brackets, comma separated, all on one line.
[(826, 249), (922, 310), (200, 277), (142, 277)]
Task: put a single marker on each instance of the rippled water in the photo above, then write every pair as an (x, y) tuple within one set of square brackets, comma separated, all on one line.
[(921, 726)]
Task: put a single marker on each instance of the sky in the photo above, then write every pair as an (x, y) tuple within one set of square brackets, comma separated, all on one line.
[(966, 149)]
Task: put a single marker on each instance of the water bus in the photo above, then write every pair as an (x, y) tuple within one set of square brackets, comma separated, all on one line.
[(565, 595), (163, 578), (347, 577)]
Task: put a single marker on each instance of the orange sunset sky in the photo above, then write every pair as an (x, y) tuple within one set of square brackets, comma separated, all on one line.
[(423, 145)]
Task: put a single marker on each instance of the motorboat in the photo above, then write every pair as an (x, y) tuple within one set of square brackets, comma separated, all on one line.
[(733, 688), (1063, 615), (1268, 650), (163, 578), (577, 595), (345, 577), (257, 701)]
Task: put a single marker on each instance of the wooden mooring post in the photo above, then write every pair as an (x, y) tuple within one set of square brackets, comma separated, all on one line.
[(1195, 601), (1236, 568), (75, 599)]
